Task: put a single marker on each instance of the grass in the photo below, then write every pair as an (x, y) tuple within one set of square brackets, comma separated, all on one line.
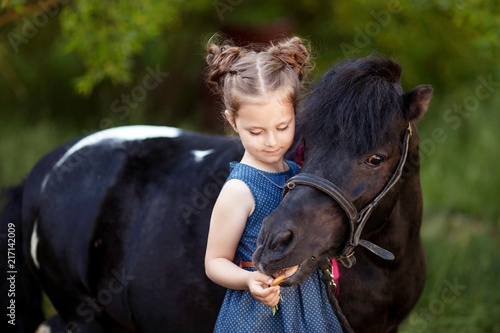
[(22, 145), (460, 170), (461, 293)]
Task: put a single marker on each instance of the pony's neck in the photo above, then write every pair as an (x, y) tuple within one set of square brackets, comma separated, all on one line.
[(401, 233)]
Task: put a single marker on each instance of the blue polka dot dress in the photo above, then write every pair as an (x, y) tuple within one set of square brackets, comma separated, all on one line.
[(304, 307)]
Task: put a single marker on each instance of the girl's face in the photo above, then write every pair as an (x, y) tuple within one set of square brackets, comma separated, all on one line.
[(266, 131)]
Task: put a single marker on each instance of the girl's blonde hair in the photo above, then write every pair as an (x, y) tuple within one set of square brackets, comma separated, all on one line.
[(242, 75)]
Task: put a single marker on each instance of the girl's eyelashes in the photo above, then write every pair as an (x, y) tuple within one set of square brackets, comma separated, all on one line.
[(281, 129)]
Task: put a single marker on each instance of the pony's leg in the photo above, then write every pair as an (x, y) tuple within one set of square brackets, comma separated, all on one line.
[(53, 325), (72, 319)]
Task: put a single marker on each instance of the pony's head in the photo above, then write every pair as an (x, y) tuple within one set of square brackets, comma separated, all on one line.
[(353, 124)]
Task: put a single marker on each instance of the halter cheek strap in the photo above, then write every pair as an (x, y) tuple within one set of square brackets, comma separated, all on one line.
[(357, 220)]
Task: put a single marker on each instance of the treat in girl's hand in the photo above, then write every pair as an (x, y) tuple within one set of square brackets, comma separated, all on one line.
[(278, 280)]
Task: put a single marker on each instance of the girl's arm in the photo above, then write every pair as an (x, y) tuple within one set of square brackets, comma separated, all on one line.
[(231, 211)]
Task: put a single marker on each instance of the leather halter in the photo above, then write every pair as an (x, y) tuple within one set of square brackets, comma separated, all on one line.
[(357, 220)]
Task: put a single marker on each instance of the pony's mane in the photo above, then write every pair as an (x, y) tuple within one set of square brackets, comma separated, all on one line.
[(355, 104)]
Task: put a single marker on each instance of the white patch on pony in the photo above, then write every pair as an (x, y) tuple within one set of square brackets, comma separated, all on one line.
[(34, 245), (43, 329), (116, 135), (199, 155)]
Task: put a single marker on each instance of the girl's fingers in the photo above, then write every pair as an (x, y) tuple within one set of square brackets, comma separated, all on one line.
[(269, 296), (271, 300), (274, 302), (264, 292), (260, 288), (258, 276)]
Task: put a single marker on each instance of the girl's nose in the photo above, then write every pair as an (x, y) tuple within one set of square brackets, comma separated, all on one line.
[(270, 140)]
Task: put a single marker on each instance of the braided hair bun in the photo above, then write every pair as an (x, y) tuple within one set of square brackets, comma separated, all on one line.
[(219, 60), (294, 54)]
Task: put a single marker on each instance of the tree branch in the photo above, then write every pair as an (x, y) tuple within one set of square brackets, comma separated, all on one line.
[(30, 8)]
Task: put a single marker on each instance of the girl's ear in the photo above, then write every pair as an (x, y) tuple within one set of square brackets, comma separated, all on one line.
[(230, 120)]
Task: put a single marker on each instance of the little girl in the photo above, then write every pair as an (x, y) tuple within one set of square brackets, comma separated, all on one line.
[(260, 92)]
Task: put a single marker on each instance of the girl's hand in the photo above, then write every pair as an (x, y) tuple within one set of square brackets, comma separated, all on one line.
[(258, 284)]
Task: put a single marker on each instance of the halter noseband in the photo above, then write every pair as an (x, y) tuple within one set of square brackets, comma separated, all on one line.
[(357, 220)]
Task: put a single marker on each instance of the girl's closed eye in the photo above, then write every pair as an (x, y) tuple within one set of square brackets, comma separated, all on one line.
[(254, 133), (283, 128)]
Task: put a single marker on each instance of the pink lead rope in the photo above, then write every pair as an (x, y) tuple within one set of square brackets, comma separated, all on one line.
[(336, 275)]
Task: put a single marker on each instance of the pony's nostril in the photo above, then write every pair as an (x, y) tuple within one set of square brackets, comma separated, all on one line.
[(283, 239)]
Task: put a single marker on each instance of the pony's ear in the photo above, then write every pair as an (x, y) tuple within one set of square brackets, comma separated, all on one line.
[(416, 102)]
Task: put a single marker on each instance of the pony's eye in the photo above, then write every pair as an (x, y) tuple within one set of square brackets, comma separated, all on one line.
[(375, 160)]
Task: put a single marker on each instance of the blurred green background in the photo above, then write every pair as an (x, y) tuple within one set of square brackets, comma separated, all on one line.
[(69, 68)]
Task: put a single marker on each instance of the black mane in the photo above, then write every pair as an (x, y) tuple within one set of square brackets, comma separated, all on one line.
[(354, 104)]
